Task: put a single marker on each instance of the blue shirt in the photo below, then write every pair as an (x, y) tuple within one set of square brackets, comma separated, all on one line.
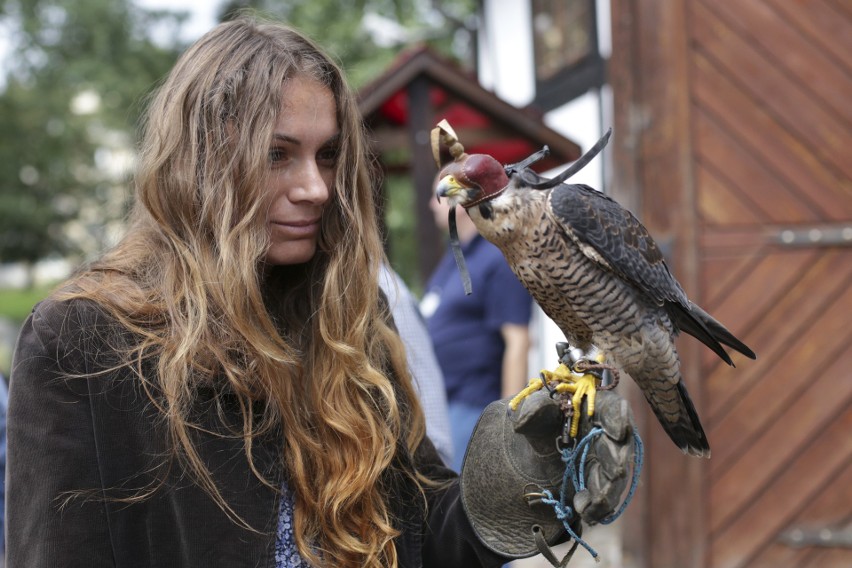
[(465, 330)]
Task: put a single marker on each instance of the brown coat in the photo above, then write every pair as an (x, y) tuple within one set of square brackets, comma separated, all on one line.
[(101, 435)]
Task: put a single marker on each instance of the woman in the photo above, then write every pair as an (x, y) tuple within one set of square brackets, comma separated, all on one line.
[(224, 387)]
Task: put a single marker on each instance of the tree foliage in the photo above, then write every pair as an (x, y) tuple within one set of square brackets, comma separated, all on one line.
[(77, 74), (366, 42)]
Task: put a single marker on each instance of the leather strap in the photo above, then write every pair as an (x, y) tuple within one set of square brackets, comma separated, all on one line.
[(547, 552)]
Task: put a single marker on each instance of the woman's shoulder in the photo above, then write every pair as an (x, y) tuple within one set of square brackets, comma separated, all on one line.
[(61, 325), (62, 314)]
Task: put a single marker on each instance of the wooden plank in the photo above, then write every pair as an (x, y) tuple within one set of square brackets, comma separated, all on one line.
[(773, 510), (781, 151), (822, 24), (722, 272), (627, 190), (759, 188), (830, 558), (782, 327), (826, 81), (778, 440), (658, 113), (663, 528), (791, 105), (757, 409), (719, 203), (423, 172), (742, 306), (842, 8), (727, 241), (830, 508), (807, 300), (626, 187), (771, 277)]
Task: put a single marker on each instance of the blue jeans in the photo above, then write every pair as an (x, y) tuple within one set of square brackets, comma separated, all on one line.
[(463, 419)]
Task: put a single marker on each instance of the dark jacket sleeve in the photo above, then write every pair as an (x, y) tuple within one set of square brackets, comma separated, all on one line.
[(51, 453), (81, 426), (448, 538)]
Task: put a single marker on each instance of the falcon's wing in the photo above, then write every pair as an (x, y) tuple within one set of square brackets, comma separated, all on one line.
[(613, 237), (620, 240)]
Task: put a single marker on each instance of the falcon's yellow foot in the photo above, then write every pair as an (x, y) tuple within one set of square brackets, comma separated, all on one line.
[(576, 381), (535, 384), (582, 379), (588, 378), (545, 377), (559, 375), (581, 385)]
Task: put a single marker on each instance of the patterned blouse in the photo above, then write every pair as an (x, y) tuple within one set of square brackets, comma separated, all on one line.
[(286, 553)]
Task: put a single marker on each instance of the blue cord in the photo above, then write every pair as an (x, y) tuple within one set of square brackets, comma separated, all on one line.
[(577, 474)]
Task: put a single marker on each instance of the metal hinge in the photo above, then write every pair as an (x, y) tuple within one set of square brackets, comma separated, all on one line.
[(827, 537), (816, 235)]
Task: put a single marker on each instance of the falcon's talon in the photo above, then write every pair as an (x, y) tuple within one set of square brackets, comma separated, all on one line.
[(583, 385), (535, 384), (578, 379), (546, 384)]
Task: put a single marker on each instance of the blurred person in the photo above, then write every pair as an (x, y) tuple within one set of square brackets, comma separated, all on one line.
[(482, 340), (421, 360), (224, 387)]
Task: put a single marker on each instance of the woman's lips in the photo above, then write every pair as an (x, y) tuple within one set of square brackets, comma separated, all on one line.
[(297, 229)]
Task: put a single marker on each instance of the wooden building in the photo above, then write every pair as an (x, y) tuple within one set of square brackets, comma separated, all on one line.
[(733, 143)]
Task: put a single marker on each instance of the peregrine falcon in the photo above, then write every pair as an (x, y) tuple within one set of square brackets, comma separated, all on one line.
[(594, 269)]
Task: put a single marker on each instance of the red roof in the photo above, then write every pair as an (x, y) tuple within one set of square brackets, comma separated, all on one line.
[(484, 123)]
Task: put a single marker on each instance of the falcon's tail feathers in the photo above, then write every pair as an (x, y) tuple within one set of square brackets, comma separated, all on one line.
[(687, 433), (704, 327)]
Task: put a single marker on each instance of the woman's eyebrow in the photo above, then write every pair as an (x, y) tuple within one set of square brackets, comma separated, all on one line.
[(285, 138), (335, 139)]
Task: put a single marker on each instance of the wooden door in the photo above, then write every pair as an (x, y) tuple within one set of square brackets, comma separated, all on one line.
[(733, 141)]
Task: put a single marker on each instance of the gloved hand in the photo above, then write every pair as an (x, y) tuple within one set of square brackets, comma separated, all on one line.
[(514, 456)]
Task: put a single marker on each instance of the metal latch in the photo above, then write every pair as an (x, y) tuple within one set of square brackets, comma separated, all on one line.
[(817, 235), (828, 537)]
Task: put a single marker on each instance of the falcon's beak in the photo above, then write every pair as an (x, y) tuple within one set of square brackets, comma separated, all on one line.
[(449, 187)]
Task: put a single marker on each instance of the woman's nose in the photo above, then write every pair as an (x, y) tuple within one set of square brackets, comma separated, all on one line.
[(311, 185)]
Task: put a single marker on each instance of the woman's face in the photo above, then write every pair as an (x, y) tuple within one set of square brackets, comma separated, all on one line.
[(302, 157)]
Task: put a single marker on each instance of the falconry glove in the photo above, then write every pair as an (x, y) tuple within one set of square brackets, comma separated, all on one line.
[(514, 458)]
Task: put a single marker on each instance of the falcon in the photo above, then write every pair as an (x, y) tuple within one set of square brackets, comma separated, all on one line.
[(594, 269)]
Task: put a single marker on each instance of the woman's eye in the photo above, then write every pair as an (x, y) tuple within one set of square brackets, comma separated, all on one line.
[(328, 156), (277, 155)]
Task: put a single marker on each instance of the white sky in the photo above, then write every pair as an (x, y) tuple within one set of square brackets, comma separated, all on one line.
[(202, 17), (202, 14)]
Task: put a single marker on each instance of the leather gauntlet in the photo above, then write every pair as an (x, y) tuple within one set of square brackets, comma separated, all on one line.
[(514, 456)]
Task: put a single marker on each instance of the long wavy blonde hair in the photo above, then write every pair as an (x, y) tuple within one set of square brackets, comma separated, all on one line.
[(310, 346)]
